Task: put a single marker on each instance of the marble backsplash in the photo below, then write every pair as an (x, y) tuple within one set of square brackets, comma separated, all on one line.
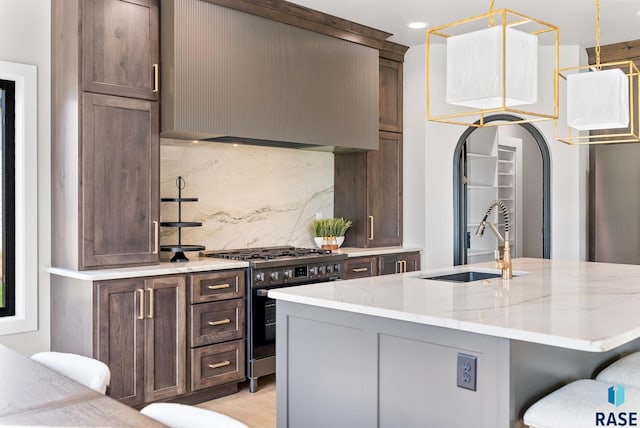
[(248, 196)]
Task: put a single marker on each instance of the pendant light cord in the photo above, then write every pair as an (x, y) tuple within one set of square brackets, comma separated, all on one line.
[(492, 21), (598, 35)]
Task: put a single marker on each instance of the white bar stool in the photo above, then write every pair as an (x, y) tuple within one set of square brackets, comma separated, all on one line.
[(575, 405), (625, 371), (182, 416), (91, 373)]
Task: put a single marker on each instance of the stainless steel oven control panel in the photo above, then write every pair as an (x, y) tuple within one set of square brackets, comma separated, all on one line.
[(296, 274)]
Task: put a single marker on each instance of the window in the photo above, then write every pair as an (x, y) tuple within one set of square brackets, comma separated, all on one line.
[(19, 197), (7, 196)]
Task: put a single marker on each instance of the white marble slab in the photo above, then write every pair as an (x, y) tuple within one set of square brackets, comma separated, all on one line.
[(576, 305), (195, 264), (248, 196)]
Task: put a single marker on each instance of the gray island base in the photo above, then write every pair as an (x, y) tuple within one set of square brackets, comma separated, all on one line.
[(386, 352)]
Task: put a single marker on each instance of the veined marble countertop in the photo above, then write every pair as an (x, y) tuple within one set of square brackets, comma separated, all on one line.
[(195, 264), (376, 251), (576, 305)]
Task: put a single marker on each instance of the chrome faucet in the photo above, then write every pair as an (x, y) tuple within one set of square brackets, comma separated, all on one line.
[(504, 263)]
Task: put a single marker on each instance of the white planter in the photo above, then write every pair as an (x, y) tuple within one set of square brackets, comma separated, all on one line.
[(319, 240)]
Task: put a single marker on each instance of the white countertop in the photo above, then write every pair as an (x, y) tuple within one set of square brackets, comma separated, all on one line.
[(195, 264), (376, 251), (576, 305)]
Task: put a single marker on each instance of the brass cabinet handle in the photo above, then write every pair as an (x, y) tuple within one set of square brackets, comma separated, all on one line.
[(370, 227), (218, 365), (155, 237), (220, 322), (140, 315), (218, 286), (404, 266), (155, 78), (398, 266), (360, 269), (150, 315)]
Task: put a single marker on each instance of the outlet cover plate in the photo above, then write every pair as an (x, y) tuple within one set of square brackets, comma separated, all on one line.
[(467, 371)]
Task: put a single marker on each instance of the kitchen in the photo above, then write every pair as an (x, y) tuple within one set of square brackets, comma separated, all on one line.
[(426, 161)]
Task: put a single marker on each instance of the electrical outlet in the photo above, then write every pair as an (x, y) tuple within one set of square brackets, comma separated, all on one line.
[(467, 369)]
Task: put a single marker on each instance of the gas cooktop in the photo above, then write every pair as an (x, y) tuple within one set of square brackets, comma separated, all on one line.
[(271, 253)]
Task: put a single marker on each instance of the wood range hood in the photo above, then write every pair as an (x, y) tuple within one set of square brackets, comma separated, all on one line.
[(232, 76)]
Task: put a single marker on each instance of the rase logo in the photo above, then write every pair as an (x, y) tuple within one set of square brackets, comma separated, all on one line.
[(615, 396)]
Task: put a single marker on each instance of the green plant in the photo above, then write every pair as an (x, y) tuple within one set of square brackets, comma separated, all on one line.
[(330, 227)]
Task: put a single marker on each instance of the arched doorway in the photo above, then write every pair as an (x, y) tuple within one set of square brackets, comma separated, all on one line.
[(460, 196)]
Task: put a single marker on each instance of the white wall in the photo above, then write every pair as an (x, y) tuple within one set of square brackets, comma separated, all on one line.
[(434, 143), (25, 37)]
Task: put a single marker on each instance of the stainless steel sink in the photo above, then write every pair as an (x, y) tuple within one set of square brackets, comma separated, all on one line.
[(466, 276)]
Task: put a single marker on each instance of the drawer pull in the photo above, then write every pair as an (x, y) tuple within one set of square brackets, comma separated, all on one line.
[(220, 322), (357, 270), (218, 365), (218, 286)]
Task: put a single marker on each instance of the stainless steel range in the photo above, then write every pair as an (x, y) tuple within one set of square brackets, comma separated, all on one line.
[(275, 267)]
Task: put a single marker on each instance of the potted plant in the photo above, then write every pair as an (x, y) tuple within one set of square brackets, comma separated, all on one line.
[(329, 232)]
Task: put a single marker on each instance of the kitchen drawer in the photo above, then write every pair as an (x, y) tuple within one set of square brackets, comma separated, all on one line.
[(217, 364), (213, 286), (360, 267), (217, 322)]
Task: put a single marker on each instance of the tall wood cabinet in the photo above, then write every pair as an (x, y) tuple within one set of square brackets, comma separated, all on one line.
[(141, 331), (105, 133), (368, 185)]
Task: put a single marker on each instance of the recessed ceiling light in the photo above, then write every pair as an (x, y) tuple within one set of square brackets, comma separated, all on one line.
[(417, 25)]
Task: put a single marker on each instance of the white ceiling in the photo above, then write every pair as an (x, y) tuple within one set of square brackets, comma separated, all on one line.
[(620, 19)]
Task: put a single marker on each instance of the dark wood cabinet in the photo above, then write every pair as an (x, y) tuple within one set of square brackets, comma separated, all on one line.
[(140, 333), (120, 47), (105, 133), (390, 96), (368, 191), (398, 263), (383, 264), (368, 185), (217, 328), (120, 181), (360, 267)]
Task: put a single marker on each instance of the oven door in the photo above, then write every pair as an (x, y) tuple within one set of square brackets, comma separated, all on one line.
[(263, 324), (262, 333)]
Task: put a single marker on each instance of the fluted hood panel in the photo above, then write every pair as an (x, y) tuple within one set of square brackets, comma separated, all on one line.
[(232, 76)]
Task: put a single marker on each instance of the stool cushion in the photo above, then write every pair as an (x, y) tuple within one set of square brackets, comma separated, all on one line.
[(575, 405), (625, 371), (183, 416), (90, 372)]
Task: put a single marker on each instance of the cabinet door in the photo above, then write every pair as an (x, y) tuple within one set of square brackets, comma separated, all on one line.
[(165, 337), (384, 188), (120, 47), (398, 263), (390, 110), (119, 187), (119, 336), (360, 267)]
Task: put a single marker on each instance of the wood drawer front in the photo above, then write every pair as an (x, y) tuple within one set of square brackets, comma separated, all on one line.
[(217, 322), (360, 267), (213, 286), (217, 364)]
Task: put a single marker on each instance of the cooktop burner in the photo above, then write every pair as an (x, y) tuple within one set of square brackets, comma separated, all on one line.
[(266, 253)]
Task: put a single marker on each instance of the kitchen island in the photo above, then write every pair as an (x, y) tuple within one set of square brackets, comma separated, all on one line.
[(386, 351)]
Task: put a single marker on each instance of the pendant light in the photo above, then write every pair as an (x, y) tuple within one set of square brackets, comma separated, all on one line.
[(491, 67), (601, 100)]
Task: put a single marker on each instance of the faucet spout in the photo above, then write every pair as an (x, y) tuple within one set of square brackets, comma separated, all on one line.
[(504, 263)]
